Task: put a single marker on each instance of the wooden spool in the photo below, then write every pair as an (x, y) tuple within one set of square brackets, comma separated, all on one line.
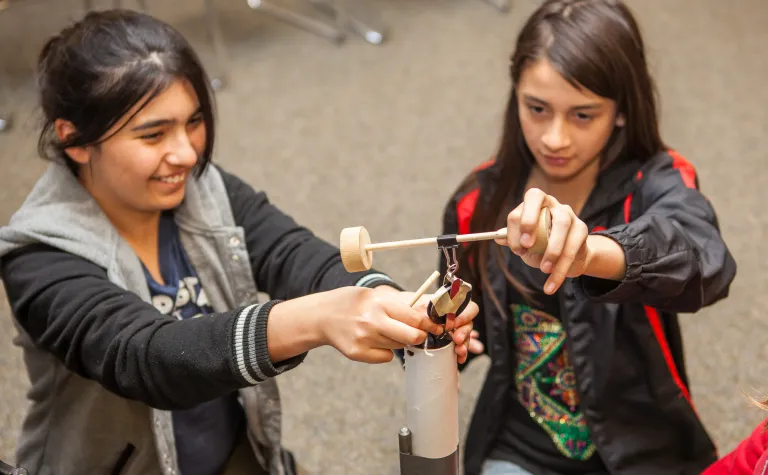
[(354, 249)]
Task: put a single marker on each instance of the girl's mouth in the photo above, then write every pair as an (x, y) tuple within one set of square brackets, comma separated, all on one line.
[(172, 179)]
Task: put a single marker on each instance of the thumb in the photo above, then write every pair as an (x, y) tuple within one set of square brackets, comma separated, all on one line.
[(416, 318)]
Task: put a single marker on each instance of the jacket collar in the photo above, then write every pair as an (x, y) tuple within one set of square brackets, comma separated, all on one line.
[(613, 185), (58, 200)]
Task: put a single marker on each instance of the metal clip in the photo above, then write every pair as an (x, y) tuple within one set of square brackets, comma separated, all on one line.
[(453, 265)]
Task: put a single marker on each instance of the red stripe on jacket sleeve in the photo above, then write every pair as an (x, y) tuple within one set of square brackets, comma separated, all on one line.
[(655, 322), (658, 332), (687, 171), (465, 208)]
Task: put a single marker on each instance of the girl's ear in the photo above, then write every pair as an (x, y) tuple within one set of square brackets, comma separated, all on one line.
[(621, 121), (64, 130)]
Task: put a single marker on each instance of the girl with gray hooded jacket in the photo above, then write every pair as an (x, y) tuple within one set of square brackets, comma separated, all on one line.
[(133, 268)]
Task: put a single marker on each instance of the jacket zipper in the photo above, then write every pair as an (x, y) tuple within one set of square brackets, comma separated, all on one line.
[(577, 387)]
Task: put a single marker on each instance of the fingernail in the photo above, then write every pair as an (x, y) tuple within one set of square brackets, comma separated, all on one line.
[(525, 239), (546, 267), (550, 288)]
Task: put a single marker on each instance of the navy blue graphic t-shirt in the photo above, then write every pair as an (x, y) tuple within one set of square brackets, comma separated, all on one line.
[(206, 434)]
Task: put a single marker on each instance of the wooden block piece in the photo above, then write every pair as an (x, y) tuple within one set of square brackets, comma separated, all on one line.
[(542, 232), (353, 244)]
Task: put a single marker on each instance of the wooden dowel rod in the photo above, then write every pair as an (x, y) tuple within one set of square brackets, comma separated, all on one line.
[(500, 234), (424, 287), (542, 232), (383, 246)]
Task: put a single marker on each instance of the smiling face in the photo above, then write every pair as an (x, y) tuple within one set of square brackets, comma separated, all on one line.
[(565, 127), (143, 168)]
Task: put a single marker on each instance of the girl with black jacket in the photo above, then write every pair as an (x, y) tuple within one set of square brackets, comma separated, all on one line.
[(587, 372)]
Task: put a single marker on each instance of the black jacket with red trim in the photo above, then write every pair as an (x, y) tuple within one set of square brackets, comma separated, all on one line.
[(623, 337)]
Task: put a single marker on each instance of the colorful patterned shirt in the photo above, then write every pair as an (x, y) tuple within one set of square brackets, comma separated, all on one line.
[(544, 430)]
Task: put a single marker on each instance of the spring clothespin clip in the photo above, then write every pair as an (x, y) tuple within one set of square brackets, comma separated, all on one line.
[(454, 295)]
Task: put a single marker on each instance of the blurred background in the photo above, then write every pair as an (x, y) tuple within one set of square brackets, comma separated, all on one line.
[(348, 133)]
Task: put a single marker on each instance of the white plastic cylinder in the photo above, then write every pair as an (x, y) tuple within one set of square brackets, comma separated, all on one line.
[(432, 392)]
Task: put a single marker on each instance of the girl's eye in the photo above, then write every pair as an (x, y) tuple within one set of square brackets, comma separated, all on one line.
[(196, 119), (584, 117), (536, 109), (152, 136)]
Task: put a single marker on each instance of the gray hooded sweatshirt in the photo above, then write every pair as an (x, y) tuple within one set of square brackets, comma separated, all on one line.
[(87, 396)]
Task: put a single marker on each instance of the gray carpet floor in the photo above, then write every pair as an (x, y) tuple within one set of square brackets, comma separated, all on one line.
[(379, 136)]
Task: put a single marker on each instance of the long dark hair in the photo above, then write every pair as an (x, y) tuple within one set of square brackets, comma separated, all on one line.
[(93, 72), (593, 44)]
